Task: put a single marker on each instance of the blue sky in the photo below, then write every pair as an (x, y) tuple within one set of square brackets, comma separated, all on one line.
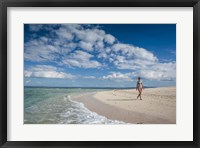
[(99, 55)]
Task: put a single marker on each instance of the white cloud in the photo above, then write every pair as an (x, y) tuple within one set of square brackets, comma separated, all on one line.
[(134, 52), (89, 77), (156, 72), (81, 59), (120, 59), (117, 76), (90, 35), (159, 72), (124, 56), (28, 81), (44, 39), (109, 39), (80, 55), (45, 71), (63, 33), (27, 73), (102, 55), (99, 45), (39, 50), (108, 50), (85, 46), (35, 27), (62, 40), (62, 46), (133, 64)]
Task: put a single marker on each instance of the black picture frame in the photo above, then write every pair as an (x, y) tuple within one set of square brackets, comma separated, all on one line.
[(4, 4)]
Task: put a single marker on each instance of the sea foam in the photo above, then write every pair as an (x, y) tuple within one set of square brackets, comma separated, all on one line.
[(56, 106)]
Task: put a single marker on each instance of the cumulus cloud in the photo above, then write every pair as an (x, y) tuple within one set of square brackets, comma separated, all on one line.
[(86, 46), (160, 71), (125, 56), (109, 39), (35, 27), (117, 76), (45, 71), (63, 33), (81, 59), (134, 52), (64, 39), (90, 35), (102, 55), (39, 50), (99, 45), (89, 77)]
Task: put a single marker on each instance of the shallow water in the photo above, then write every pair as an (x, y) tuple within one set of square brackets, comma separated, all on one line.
[(55, 106)]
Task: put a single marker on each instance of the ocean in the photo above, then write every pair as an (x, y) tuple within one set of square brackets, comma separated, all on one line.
[(56, 106)]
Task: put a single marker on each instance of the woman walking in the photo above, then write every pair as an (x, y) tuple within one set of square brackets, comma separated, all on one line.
[(139, 87)]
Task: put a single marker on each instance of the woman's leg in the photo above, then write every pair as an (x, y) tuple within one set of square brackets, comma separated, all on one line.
[(140, 94)]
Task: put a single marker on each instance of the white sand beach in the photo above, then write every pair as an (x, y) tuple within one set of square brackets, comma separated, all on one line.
[(157, 107)]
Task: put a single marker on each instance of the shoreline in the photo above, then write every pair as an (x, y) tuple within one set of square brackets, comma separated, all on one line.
[(157, 107)]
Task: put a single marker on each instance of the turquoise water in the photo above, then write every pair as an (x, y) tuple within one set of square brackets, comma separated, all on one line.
[(55, 106)]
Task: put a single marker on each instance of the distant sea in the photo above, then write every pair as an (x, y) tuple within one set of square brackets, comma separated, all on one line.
[(54, 105)]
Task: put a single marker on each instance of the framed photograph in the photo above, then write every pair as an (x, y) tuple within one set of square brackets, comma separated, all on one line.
[(99, 73)]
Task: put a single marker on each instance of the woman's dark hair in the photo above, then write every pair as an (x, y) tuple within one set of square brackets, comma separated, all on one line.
[(138, 77)]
